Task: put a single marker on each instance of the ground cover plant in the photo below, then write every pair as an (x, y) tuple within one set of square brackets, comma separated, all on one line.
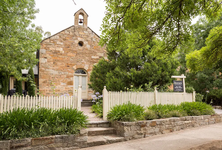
[(23, 123), (98, 109), (133, 112)]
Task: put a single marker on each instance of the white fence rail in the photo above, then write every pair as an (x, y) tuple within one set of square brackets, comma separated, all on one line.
[(8, 103), (145, 99)]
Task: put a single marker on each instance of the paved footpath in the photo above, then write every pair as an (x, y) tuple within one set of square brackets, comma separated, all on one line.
[(180, 140)]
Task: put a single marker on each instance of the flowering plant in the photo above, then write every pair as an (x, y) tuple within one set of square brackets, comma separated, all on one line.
[(97, 97), (97, 107)]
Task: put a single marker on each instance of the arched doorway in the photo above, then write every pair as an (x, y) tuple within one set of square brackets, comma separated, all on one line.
[(80, 78)]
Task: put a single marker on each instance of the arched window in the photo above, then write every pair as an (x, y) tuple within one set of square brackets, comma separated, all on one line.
[(80, 71)]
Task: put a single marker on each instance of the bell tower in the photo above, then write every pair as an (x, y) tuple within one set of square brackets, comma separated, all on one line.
[(80, 18)]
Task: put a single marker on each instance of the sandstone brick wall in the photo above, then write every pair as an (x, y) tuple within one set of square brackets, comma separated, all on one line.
[(61, 55)]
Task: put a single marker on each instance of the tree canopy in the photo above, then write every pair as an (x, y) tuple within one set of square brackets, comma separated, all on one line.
[(169, 20), (18, 40), (210, 55), (124, 69)]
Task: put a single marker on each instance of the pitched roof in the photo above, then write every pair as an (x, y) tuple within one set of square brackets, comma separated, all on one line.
[(82, 10), (66, 29)]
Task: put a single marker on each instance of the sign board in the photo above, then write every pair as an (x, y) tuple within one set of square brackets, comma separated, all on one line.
[(178, 86)]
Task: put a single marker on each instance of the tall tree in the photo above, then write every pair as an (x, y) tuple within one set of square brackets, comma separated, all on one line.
[(4, 82), (18, 42), (124, 69), (19, 84), (209, 56), (31, 83), (169, 20)]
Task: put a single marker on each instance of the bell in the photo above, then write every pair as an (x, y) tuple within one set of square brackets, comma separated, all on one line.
[(80, 20)]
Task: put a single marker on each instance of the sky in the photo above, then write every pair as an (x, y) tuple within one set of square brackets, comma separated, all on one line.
[(57, 15)]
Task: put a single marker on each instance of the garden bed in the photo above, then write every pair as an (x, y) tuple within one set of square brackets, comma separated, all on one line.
[(147, 128)]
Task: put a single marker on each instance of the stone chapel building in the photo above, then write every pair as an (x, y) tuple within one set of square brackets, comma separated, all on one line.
[(66, 59)]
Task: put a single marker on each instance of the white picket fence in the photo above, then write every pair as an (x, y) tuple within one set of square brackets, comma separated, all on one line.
[(8, 103), (145, 99)]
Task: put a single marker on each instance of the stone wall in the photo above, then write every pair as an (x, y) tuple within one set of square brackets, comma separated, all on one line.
[(61, 55), (47, 143), (142, 129)]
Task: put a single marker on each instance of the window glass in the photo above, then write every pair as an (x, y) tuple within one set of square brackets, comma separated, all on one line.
[(76, 82), (83, 83), (80, 71)]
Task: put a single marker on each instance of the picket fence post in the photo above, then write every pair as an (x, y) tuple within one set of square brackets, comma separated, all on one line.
[(79, 95), (194, 96), (155, 96), (105, 103)]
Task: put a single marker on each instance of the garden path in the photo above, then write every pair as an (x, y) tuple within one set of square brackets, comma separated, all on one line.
[(218, 111), (91, 116)]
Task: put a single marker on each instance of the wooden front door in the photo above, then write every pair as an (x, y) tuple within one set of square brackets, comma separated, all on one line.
[(80, 78)]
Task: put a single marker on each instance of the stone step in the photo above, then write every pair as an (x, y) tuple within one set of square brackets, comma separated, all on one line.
[(94, 124), (102, 140), (86, 103), (100, 131)]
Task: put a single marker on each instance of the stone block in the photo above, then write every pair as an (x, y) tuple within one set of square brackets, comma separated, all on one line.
[(5, 145), (81, 139), (141, 124), (42, 140), (20, 143), (95, 57), (42, 51), (188, 118), (206, 116), (135, 128), (83, 132), (127, 129), (197, 118), (153, 124), (174, 119), (182, 118)]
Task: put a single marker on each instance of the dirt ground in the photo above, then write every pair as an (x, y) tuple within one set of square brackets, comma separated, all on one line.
[(215, 145)]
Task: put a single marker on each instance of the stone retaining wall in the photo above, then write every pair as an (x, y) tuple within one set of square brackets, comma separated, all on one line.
[(129, 130), (142, 129), (47, 143)]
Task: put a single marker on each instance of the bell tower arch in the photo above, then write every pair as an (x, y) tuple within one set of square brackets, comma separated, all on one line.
[(81, 18)]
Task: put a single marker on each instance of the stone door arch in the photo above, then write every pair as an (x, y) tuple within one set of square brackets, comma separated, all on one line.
[(80, 78)]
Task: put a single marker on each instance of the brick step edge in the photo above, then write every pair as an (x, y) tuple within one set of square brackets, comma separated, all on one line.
[(102, 140), (93, 124), (100, 131)]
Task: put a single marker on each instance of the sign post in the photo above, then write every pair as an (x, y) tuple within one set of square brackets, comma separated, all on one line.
[(178, 85)]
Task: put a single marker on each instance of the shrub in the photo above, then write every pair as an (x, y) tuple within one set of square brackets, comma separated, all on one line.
[(150, 114), (166, 111), (189, 89), (197, 108), (126, 112), (215, 95), (177, 113), (199, 97), (184, 109), (23, 123)]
